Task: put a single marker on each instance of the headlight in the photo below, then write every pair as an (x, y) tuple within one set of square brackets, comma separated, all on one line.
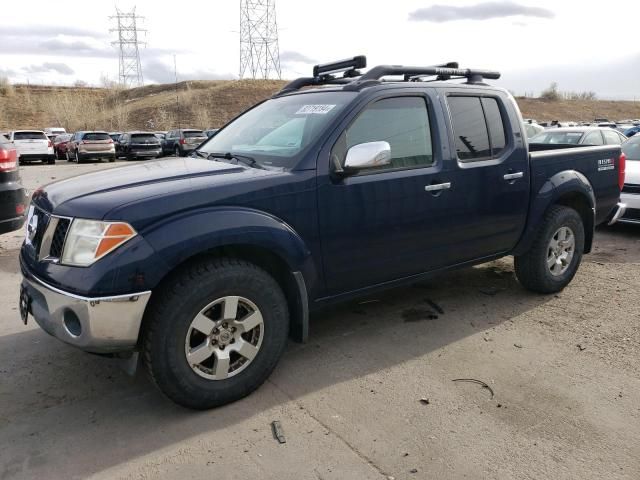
[(90, 240)]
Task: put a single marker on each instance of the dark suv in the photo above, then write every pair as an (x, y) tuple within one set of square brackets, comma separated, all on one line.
[(139, 145), (182, 142), (12, 195)]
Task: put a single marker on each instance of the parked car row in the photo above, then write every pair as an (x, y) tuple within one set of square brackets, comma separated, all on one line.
[(579, 136)]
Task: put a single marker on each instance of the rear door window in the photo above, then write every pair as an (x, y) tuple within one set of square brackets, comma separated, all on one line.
[(470, 129), (29, 136)]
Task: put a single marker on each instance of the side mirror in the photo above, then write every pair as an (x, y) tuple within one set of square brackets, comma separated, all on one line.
[(368, 155)]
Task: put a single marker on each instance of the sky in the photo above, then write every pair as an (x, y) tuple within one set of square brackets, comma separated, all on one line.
[(584, 45)]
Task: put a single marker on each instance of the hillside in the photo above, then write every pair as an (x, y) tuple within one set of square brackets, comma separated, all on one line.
[(206, 104)]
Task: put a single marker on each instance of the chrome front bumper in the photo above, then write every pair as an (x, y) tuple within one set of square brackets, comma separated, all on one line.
[(98, 325)]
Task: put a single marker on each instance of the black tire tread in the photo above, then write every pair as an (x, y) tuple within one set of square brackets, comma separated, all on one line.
[(527, 266), (181, 283)]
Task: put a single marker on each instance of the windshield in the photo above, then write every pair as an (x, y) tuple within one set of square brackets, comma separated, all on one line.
[(276, 132), (631, 148), (565, 138), (29, 136)]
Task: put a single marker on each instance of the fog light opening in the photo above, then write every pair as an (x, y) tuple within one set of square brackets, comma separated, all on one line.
[(72, 323)]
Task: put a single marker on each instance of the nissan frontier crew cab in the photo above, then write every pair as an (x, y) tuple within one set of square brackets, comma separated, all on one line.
[(341, 184)]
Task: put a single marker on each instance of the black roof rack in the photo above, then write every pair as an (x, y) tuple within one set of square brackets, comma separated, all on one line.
[(353, 80)]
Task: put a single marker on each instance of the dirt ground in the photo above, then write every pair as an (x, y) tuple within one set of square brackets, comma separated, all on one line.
[(371, 396)]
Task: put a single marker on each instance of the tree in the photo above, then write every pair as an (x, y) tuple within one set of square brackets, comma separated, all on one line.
[(551, 93)]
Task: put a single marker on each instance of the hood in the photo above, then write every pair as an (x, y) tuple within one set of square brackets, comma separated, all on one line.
[(94, 195)]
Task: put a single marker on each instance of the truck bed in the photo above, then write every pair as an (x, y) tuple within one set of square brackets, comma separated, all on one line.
[(598, 165)]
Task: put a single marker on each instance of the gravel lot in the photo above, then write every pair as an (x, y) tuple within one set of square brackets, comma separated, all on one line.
[(563, 369)]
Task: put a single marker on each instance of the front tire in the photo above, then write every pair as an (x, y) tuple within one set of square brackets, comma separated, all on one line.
[(554, 258), (215, 333)]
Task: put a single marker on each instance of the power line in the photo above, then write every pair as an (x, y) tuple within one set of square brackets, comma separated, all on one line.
[(259, 50), (130, 69)]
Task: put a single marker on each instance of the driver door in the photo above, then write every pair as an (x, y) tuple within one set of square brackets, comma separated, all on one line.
[(387, 222)]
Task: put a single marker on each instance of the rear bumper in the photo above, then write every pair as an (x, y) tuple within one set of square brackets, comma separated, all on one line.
[(11, 225), (12, 195), (27, 157), (98, 325), (88, 155), (618, 213), (145, 153)]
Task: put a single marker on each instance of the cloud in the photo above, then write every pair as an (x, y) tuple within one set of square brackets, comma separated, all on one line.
[(480, 11), (49, 67), (157, 71), (48, 31), (78, 48), (290, 56)]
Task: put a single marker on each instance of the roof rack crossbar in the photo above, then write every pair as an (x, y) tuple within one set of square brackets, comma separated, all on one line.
[(377, 73)]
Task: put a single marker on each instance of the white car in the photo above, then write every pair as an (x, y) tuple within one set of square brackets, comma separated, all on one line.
[(631, 191), (55, 131), (33, 145)]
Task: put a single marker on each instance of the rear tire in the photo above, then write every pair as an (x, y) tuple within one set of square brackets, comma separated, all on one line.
[(206, 288), (554, 258), (177, 152), (112, 159), (77, 157), (51, 161)]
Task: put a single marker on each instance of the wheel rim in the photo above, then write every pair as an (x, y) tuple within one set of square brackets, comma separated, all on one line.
[(76, 155), (561, 250), (224, 338)]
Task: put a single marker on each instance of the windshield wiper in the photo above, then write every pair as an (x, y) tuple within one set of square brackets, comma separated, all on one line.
[(201, 154), (249, 161)]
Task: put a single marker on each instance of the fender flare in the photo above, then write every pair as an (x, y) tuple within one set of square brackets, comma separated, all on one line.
[(186, 235), (560, 186)]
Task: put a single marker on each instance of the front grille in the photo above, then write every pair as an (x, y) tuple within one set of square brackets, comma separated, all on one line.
[(631, 188), (57, 242)]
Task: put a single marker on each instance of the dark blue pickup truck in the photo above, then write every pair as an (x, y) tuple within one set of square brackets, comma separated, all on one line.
[(341, 184)]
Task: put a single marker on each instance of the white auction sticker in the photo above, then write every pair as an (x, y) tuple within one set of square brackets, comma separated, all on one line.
[(315, 109)]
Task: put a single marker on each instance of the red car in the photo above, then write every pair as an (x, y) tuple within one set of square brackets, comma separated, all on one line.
[(60, 144)]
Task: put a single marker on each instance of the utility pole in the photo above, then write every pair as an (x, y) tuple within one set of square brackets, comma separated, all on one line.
[(128, 43), (259, 50), (175, 71)]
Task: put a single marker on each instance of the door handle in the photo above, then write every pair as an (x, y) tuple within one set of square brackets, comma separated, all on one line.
[(438, 187), (513, 176)]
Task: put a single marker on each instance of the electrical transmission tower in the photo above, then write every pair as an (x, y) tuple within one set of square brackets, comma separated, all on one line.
[(130, 71), (259, 51)]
